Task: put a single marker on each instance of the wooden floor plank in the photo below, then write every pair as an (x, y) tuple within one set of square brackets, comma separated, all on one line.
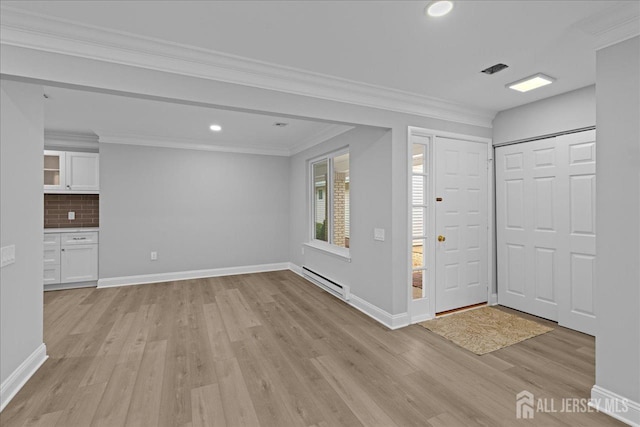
[(367, 411), (83, 406), (236, 401), (45, 420), (218, 338), (144, 409), (206, 407)]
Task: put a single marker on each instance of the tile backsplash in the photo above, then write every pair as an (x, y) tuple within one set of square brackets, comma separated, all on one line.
[(58, 206)]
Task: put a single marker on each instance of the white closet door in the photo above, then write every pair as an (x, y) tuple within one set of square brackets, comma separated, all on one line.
[(545, 214), (578, 278), (528, 217)]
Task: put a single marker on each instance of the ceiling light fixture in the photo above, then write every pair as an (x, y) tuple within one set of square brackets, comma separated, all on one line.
[(531, 82), (439, 8), (215, 128)]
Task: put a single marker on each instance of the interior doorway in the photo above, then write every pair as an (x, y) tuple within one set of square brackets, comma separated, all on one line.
[(449, 222)]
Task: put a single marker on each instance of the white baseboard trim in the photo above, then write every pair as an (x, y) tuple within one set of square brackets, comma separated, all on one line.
[(296, 269), (615, 406), (186, 275), (18, 378), (64, 286), (421, 318), (493, 299), (391, 321)]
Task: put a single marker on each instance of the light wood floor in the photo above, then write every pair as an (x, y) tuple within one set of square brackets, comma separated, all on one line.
[(274, 350)]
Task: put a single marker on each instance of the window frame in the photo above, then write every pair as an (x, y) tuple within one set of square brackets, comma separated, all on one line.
[(312, 242)]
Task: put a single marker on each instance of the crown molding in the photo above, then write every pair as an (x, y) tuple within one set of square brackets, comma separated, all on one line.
[(70, 139), (108, 137), (613, 25), (105, 137), (44, 33), (320, 137)]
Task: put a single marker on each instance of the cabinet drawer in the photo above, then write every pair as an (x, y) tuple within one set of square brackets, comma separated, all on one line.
[(51, 274), (51, 240), (51, 255), (87, 238)]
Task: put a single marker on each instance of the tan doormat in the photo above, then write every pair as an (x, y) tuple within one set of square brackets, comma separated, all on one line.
[(486, 329)]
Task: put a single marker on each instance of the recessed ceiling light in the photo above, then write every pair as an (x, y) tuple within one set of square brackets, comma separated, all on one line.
[(215, 128), (439, 8), (531, 82)]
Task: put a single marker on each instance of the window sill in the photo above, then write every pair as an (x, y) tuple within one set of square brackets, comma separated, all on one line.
[(330, 249)]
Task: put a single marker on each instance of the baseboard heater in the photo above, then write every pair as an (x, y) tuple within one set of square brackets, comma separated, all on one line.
[(341, 291)]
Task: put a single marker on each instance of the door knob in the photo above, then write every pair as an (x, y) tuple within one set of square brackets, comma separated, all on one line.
[(441, 238)]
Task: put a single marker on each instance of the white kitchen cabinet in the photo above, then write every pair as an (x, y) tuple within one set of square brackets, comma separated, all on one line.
[(51, 259), (71, 172), (54, 171), (51, 275), (82, 172), (70, 258), (78, 263)]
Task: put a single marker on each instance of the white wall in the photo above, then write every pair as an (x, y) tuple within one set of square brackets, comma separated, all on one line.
[(21, 223), (567, 111), (198, 210), (618, 220), (369, 272)]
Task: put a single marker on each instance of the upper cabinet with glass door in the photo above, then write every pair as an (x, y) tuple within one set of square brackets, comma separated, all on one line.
[(71, 172)]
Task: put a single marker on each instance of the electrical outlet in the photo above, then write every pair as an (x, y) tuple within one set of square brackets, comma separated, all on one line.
[(71, 215), (154, 256)]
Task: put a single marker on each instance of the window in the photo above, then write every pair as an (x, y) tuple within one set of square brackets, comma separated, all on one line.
[(419, 218), (330, 201)]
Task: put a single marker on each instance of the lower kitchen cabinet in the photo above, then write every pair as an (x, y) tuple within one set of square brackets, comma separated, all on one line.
[(51, 258), (70, 258), (78, 263)]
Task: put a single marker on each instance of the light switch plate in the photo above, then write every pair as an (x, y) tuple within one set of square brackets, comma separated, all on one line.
[(71, 215), (7, 255), (378, 234)]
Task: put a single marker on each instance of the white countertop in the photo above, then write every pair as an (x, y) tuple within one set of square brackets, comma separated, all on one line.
[(70, 230)]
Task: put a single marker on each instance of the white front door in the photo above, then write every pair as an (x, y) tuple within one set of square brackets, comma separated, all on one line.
[(545, 216), (461, 223)]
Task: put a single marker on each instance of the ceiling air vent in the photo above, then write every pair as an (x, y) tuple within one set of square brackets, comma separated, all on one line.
[(494, 68)]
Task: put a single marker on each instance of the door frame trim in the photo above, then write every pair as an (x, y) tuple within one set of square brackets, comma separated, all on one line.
[(546, 136), (415, 317)]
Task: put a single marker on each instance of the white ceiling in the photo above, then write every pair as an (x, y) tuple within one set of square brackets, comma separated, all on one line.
[(386, 43), (126, 119)]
